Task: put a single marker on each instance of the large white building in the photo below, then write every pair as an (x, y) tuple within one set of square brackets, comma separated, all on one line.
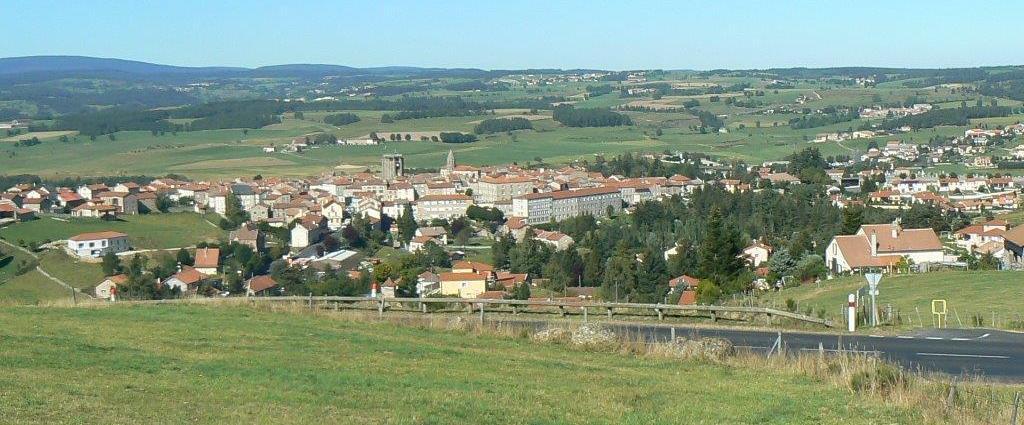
[(97, 244), (491, 189), (445, 207), (537, 208)]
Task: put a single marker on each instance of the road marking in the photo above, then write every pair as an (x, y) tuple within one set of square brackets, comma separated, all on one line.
[(831, 350), (933, 338), (904, 337), (959, 339), (984, 336), (979, 356), (877, 336)]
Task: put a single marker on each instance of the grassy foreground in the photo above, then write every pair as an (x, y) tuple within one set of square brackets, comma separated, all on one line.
[(970, 296), (218, 364)]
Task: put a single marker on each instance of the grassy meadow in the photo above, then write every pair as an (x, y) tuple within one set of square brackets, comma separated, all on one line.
[(210, 364), (967, 294), (151, 231)]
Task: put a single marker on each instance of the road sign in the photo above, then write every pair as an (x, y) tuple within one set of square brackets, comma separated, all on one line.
[(938, 313), (873, 279)]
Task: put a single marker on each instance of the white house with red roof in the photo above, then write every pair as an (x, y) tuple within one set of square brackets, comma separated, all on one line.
[(97, 244)]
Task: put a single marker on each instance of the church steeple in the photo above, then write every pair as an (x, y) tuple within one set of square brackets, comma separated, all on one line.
[(450, 163)]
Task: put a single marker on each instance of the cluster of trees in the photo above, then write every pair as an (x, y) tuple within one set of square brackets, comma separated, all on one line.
[(589, 117), (823, 119), (949, 116), (341, 119), (639, 166), (708, 120), (208, 116), (455, 137), (430, 106), (599, 90), (501, 125)]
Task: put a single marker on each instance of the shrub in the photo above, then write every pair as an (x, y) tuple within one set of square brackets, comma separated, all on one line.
[(882, 378)]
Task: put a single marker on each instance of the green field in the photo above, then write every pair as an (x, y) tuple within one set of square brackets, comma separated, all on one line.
[(31, 288), (967, 294), (154, 231), (210, 364)]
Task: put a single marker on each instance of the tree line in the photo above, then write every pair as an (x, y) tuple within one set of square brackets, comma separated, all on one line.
[(501, 125), (589, 117)]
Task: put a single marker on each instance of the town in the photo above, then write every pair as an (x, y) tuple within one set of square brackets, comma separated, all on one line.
[(565, 212)]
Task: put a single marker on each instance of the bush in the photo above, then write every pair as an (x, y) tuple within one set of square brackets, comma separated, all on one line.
[(883, 378)]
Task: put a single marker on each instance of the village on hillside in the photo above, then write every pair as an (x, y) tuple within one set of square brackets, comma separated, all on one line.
[(460, 211)]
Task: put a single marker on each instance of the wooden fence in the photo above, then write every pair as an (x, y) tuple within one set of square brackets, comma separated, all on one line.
[(562, 307)]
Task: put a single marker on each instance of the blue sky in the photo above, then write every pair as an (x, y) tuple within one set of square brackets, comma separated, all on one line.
[(526, 34)]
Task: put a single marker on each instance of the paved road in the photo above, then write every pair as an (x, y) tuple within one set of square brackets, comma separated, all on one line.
[(996, 355)]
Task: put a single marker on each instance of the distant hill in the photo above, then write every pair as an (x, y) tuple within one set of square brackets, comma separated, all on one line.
[(35, 68), (38, 64)]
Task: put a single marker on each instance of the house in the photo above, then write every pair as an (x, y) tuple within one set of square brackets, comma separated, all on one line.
[(688, 286), (882, 246), (107, 289), (207, 260), (973, 236), (94, 210), (417, 243), (306, 232), (757, 253), (259, 285), (389, 288), (557, 240), (428, 283), (473, 267), (248, 234), (510, 280), (462, 285), (1013, 242), (335, 215), (97, 244), (438, 233), (187, 280)]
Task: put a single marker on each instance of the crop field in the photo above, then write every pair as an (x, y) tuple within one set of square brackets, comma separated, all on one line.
[(753, 134), (983, 294), (156, 231), (210, 364)]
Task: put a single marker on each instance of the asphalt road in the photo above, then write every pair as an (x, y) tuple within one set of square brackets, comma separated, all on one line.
[(990, 354)]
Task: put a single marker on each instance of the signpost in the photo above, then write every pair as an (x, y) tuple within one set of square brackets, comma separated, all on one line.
[(851, 313), (939, 312), (873, 279)]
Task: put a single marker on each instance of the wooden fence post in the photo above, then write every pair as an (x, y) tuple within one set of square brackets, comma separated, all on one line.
[(1016, 405)]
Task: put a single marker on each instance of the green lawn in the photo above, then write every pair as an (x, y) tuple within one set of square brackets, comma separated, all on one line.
[(966, 293), (79, 274), (219, 364), (144, 231), (30, 288)]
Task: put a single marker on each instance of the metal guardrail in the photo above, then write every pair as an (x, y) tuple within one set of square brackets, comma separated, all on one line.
[(584, 307)]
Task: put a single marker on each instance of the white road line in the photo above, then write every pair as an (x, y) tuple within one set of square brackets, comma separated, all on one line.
[(984, 336), (904, 337), (933, 338), (979, 356), (877, 336), (959, 339), (830, 350)]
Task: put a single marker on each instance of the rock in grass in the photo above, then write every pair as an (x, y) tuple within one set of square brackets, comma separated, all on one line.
[(710, 349), (593, 337), (551, 335)]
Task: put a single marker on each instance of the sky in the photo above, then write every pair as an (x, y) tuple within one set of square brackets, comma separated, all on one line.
[(614, 35)]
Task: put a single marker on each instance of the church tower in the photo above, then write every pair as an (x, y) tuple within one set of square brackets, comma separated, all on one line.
[(450, 163)]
